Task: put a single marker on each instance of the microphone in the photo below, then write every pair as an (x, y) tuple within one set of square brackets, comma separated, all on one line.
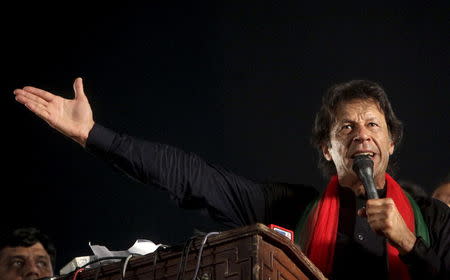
[(363, 167)]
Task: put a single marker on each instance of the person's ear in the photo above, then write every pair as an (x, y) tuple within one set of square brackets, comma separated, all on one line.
[(326, 152), (391, 147)]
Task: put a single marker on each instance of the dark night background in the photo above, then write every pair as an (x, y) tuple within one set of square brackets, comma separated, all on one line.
[(237, 84)]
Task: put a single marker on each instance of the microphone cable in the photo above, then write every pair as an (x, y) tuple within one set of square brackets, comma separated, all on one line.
[(155, 258), (76, 273), (102, 259), (201, 251), (97, 272), (125, 264), (184, 256)]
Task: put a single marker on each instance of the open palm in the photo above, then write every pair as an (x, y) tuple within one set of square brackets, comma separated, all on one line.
[(71, 117)]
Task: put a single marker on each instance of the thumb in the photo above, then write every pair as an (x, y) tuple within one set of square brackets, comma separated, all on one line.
[(78, 88)]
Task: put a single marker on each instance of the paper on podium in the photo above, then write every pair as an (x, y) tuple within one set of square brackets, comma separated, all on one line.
[(140, 247)]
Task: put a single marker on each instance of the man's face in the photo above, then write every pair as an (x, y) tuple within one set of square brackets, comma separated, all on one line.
[(360, 128), (25, 263)]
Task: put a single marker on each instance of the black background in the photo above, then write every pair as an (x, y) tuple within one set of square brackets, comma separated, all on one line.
[(236, 83)]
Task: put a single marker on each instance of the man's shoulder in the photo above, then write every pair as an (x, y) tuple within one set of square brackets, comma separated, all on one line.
[(433, 209)]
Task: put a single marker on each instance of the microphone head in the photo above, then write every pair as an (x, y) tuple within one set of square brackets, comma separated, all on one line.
[(363, 167), (362, 162)]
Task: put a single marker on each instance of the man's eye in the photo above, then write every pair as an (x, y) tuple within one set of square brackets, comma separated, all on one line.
[(373, 124), (17, 263), (347, 126), (42, 264)]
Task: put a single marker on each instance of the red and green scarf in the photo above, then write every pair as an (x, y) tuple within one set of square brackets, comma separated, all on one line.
[(316, 230)]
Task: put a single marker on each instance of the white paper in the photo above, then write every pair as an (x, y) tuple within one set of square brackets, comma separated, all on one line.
[(75, 263), (140, 247), (143, 247)]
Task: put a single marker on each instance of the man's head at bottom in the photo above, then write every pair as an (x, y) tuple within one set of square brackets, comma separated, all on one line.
[(26, 254)]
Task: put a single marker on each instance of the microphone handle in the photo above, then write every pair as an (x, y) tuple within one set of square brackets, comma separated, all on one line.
[(369, 185)]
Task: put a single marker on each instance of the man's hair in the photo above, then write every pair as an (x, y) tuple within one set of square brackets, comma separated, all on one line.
[(26, 237), (326, 116), (441, 183), (445, 180)]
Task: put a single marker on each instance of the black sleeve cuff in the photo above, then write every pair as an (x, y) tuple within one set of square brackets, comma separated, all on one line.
[(100, 139), (419, 251)]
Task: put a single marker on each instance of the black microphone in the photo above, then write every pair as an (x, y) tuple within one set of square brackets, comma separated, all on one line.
[(363, 167)]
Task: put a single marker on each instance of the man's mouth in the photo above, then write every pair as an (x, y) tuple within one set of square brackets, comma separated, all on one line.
[(370, 154)]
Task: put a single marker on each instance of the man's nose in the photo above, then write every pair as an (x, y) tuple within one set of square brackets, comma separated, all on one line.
[(361, 134), (31, 270)]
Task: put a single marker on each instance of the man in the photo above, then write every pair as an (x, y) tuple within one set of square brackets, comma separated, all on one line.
[(391, 237), (26, 254), (442, 191)]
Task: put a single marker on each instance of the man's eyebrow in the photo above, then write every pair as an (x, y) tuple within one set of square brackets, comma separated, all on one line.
[(16, 256), (374, 118), (344, 121), (23, 257)]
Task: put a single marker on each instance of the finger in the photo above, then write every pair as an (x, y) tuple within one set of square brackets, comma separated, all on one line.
[(78, 88), (23, 97), (375, 202), (376, 219), (376, 206), (33, 103), (38, 109), (362, 212), (374, 210), (47, 96)]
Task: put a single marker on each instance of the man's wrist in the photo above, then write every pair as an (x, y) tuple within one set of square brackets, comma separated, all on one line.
[(407, 244), (84, 134)]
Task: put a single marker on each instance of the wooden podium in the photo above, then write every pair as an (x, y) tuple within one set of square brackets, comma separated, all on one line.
[(252, 252)]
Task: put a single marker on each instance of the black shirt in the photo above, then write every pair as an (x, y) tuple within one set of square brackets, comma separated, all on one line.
[(358, 248), (235, 201)]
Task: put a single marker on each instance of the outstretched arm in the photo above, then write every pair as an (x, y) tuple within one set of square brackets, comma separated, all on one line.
[(71, 117)]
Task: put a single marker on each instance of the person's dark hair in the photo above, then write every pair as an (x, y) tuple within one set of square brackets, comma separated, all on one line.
[(26, 237), (445, 180), (442, 182), (326, 116)]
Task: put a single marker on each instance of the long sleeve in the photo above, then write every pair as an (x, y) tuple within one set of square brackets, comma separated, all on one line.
[(192, 182), (432, 262)]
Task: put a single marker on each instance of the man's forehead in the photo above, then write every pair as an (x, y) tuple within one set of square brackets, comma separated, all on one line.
[(34, 250), (346, 109)]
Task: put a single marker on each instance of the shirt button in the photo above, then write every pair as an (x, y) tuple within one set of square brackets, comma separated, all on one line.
[(360, 236)]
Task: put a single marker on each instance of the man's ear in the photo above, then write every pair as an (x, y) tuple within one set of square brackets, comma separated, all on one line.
[(326, 152), (391, 147)]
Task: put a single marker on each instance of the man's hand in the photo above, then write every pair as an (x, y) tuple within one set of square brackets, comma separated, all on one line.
[(384, 218), (71, 117)]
